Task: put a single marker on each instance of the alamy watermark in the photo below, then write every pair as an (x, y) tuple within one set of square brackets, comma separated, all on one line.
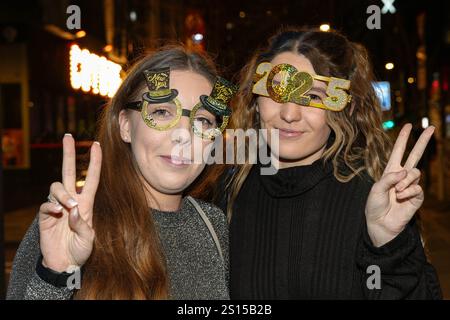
[(74, 280), (373, 282), (236, 149), (74, 20), (374, 20)]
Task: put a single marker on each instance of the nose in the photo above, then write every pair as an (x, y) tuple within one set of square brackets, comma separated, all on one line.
[(290, 112), (182, 133)]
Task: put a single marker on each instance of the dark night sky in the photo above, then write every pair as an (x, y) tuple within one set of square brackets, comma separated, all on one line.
[(396, 41)]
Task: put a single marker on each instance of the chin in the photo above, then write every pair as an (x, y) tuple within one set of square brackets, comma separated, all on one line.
[(293, 153), (173, 186), (168, 183), (167, 187), (292, 158)]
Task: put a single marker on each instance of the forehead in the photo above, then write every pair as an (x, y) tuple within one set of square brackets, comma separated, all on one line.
[(190, 85), (297, 60), (186, 81), (300, 62)]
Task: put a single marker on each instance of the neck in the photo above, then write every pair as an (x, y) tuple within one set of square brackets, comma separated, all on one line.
[(286, 163)]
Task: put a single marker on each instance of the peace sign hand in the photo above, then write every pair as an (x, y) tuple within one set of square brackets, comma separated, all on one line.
[(396, 197), (65, 222)]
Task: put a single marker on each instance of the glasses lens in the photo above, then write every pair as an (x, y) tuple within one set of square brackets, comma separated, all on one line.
[(162, 115), (206, 124)]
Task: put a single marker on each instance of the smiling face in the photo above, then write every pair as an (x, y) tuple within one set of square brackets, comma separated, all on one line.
[(165, 169), (303, 130)]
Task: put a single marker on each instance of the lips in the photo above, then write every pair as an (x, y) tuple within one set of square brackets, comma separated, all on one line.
[(289, 133), (177, 161)]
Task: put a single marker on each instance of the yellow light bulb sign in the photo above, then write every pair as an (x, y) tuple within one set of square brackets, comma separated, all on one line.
[(92, 73)]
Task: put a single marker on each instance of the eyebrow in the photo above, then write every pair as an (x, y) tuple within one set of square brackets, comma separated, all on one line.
[(171, 102)]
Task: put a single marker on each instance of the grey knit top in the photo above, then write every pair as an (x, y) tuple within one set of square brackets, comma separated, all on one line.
[(195, 268)]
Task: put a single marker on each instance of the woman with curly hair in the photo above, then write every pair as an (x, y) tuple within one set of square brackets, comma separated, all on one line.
[(336, 220)]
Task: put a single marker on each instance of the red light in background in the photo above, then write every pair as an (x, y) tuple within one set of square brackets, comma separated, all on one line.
[(435, 84)]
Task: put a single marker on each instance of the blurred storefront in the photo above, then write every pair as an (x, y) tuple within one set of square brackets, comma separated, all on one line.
[(55, 80), (40, 100), (50, 84)]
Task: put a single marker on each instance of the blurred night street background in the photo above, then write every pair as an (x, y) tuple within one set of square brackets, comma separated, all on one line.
[(40, 100)]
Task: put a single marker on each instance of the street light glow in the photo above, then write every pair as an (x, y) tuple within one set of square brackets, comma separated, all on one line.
[(325, 27), (389, 66)]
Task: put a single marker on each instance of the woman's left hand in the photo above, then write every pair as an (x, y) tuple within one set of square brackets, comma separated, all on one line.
[(396, 197)]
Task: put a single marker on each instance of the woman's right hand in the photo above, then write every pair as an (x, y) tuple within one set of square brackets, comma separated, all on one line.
[(66, 233)]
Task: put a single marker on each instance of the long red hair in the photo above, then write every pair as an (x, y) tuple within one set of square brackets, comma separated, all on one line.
[(128, 261)]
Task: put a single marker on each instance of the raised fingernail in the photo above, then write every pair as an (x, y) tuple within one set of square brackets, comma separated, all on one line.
[(58, 207), (97, 142), (75, 212), (68, 134), (72, 203)]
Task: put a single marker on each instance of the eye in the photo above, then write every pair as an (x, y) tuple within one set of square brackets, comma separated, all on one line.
[(204, 122), (276, 82), (314, 97), (161, 112)]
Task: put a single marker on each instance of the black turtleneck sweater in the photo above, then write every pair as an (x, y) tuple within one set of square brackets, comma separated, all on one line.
[(301, 234)]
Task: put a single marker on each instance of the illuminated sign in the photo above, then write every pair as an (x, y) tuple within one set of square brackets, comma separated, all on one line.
[(383, 92), (93, 73)]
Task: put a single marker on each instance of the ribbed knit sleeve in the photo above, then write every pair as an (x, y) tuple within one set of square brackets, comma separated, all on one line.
[(403, 267)]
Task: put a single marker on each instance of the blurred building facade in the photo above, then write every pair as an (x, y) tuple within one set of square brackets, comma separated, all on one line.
[(38, 101)]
